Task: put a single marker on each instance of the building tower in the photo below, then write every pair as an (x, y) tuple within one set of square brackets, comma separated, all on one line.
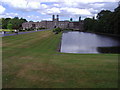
[(71, 19), (79, 18), (80, 26), (53, 17), (57, 17)]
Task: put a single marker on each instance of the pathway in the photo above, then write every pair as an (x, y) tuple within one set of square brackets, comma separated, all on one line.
[(2, 35)]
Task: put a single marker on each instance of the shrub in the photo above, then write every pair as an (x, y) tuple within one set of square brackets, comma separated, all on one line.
[(68, 29), (57, 30), (41, 28)]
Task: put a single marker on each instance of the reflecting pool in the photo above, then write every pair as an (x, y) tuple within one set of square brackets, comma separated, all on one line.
[(82, 42)]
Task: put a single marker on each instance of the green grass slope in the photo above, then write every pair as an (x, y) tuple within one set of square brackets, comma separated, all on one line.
[(32, 61)]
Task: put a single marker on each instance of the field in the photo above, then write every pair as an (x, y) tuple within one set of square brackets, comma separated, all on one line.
[(32, 61)]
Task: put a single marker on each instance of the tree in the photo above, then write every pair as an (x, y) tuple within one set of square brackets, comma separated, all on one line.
[(103, 14), (116, 20), (90, 24), (9, 26), (16, 22), (5, 22), (104, 21)]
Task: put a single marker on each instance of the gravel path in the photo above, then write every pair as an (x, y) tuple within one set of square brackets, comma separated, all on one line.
[(2, 35)]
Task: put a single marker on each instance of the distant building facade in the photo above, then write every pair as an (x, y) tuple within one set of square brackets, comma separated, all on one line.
[(77, 25)]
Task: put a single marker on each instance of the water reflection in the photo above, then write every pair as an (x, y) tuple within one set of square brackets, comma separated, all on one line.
[(80, 42)]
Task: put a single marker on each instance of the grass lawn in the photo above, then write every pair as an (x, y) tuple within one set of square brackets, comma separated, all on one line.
[(32, 61), (7, 30)]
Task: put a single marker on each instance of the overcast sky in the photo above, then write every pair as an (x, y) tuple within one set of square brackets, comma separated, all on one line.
[(37, 10)]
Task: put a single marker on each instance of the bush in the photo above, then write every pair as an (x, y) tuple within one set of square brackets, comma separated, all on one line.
[(57, 30), (68, 29), (20, 30), (9, 26), (41, 28), (30, 29)]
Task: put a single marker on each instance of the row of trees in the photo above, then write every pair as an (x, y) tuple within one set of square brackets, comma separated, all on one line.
[(106, 22), (12, 23)]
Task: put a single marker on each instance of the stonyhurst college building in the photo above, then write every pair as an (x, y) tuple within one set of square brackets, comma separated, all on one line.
[(77, 25)]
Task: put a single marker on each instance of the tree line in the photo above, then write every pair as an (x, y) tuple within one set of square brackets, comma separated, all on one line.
[(106, 22), (12, 23)]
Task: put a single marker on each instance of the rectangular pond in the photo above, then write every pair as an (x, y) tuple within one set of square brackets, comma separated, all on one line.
[(82, 42)]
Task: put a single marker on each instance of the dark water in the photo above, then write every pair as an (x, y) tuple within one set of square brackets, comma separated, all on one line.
[(81, 42)]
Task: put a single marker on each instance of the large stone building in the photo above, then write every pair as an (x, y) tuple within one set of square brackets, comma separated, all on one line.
[(77, 25)]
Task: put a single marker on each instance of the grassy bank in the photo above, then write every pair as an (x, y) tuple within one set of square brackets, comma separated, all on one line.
[(32, 61)]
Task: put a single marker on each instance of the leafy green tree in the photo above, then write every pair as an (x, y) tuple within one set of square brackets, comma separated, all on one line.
[(5, 22), (90, 24), (9, 26), (16, 22), (116, 20), (106, 22)]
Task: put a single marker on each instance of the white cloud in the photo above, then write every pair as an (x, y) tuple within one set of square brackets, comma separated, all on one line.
[(53, 10), (44, 6), (33, 5), (89, 1), (2, 9), (9, 15), (48, 19), (25, 5), (76, 11), (56, 5), (69, 8)]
